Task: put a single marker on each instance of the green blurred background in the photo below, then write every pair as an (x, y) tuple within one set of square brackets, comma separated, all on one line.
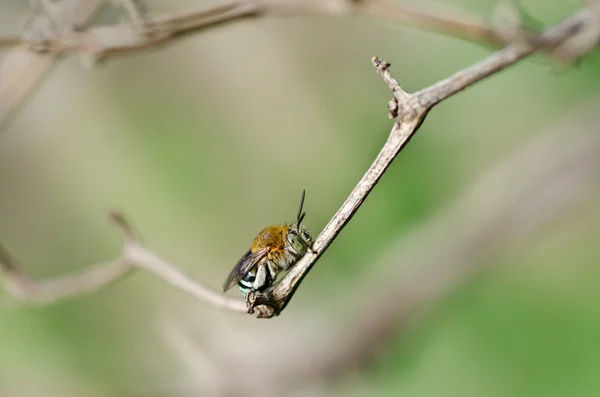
[(204, 142)]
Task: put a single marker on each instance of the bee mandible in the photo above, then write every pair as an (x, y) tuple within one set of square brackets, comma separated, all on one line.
[(275, 249)]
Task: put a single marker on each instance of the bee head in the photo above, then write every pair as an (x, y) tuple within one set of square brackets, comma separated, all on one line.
[(298, 237), (299, 240)]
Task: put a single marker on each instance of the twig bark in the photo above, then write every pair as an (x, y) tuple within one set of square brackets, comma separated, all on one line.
[(461, 27), (410, 109), (26, 65), (22, 69), (502, 211), (133, 256), (103, 41)]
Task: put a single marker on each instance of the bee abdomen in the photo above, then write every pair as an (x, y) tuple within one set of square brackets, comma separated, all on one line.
[(247, 283)]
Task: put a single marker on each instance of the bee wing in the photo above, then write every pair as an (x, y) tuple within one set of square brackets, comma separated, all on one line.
[(240, 269)]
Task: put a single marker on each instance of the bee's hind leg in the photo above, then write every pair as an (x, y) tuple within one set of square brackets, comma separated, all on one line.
[(265, 276)]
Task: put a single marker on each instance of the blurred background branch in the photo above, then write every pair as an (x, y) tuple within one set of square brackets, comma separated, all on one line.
[(491, 295), (411, 109), (496, 215), (66, 31), (22, 69), (142, 32), (134, 255)]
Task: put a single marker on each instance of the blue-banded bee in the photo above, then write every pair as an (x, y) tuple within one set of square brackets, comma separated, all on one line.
[(274, 250)]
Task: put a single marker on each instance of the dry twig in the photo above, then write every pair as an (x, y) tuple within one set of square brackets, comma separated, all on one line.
[(145, 31), (26, 65), (503, 210), (410, 111), (464, 27), (134, 255), (22, 69)]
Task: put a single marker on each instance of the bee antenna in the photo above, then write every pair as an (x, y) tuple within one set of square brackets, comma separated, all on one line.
[(300, 213), (300, 219)]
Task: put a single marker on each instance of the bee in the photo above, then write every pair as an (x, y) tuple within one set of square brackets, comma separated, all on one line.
[(274, 250)]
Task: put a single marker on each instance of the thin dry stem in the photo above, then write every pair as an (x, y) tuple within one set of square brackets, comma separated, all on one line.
[(503, 210), (496, 214), (144, 31), (10, 41), (133, 256), (143, 258), (20, 286), (134, 12), (22, 70), (410, 110), (462, 27), (550, 39)]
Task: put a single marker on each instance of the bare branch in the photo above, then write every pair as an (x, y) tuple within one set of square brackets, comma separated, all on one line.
[(503, 209), (148, 260), (461, 27), (135, 13), (550, 39), (580, 44), (22, 69), (134, 255), (20, 286), (101, 41), (10, 41), (119, 221), (144, 32), (411, 110)]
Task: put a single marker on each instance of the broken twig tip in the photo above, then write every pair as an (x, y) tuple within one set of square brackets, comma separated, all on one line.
[(260, 306), (119, 220), (6, 262), (379, 64)]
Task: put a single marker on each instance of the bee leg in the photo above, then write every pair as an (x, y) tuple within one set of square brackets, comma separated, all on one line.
[(261, 277), (272, 268), (265, 276)]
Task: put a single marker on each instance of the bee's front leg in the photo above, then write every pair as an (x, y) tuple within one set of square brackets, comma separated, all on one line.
[(261, 277)]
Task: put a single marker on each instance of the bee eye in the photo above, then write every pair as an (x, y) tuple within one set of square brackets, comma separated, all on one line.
[(306, 235)]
